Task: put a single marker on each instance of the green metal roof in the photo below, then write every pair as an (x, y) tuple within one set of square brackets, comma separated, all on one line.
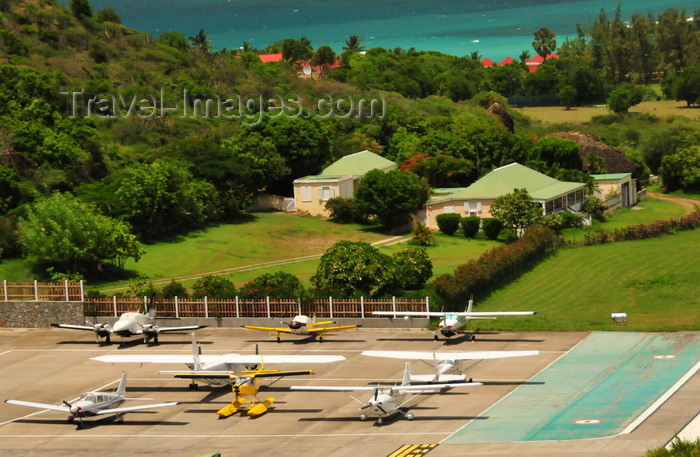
[(358, 164), (610, 176), (319, 178), (503, 180)]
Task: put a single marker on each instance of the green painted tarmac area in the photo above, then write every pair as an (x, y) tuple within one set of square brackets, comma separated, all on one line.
[(596, 390)]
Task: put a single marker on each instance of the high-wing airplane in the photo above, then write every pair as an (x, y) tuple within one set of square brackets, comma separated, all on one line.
[(245, 387), (131, 324), (447, 365), (388, 401), (454, 323), (215, 370), (95, 404), (304, 325)]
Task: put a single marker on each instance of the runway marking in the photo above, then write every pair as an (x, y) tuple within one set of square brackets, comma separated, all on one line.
[(413, 450), (216, 436), (670, 356), (587, 421)]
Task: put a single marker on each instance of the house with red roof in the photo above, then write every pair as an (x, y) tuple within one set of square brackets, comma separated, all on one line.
[(486, 62), (265, 58), (507, 61), (536, 61)]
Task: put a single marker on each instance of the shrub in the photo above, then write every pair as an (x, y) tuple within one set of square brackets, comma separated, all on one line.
[(174, 289), (422, 235), (448, 223), (470, 226), (213, 287), (492, 227), (343, 210), (275, 285), (413, 267)]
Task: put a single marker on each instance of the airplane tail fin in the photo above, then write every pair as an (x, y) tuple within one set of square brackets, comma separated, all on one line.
[(196, 350), (152, 306), (121, 390), (470, 305), (407, 375)]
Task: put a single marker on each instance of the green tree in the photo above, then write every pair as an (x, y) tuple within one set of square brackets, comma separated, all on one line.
[(355, 268), (201, 42), (325, 57), (392, 197), (173, 39), (80, 9), (545, 42), (274, 285), (62, 230), (516, 210), (294, 51), (163, 198), (686, 87), (681, 170), (624, 97), (211, 286), (108, 15), (567, 96), (353, 44), (413, 267)]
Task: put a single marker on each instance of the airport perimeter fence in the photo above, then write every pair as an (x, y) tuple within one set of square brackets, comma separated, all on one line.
[(265, 308), (43, 291)]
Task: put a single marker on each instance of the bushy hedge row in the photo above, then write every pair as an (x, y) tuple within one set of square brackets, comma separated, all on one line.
[(449, 223), (644, 231), (495, 267)]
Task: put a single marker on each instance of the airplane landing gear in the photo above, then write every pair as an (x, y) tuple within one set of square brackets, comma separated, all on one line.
[(193, 386), (410, 416)]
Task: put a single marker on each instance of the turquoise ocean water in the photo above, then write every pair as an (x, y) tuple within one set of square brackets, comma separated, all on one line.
[(495, 28)]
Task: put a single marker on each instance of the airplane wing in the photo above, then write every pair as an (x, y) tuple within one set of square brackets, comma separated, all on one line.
[(31, 404), (406, 388), (75, 327), (496, 313), (409, 313), (269, 329), (213, 358), (127, 409), (334, 388), (173, 329), (249, 374), (472, 355), (331, 329)]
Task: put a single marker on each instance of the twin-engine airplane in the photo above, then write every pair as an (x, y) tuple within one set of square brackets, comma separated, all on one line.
[(95, 404), (131, 324), (215, 370), (388, 401), (303, 325), (454, 323), (447, 365)]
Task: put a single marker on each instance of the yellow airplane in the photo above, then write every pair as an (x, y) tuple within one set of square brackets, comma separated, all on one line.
[(245, 388), (303, 325)]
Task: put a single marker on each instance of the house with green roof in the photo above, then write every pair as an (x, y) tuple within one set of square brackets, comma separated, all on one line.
[(553, 195), (616, 189), (339, 179)]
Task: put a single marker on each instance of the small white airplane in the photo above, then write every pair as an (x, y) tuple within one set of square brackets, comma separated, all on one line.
[(303, 325), (388, 401), (454, 323), (131, 324), (95, 404), (215, 370), (447, 365)]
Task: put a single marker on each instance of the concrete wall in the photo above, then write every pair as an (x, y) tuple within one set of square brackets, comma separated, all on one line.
[(36, 314)]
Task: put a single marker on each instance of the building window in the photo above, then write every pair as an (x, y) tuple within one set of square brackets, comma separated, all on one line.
[(326, 193), (306, 193), (472, 208), (448, 209)]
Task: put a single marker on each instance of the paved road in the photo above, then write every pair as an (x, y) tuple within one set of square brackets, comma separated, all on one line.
[(49, 365)]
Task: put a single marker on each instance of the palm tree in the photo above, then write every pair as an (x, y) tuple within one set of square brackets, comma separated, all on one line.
[(524, 56), (545, 42), (201, 42), (353, 44)]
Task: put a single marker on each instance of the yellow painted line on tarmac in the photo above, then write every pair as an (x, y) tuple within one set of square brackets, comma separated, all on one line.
[(413, 450)]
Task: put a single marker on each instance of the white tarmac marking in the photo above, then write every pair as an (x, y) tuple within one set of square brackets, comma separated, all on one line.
[(657, 404)]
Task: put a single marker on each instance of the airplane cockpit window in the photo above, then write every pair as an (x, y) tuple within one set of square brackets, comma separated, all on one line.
[(451, 317), (89, 397)]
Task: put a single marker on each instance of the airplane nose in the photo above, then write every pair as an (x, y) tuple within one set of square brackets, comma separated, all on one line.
[(121, 327)]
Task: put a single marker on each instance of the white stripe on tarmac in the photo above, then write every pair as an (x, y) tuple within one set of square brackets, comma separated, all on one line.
[(657, 404)]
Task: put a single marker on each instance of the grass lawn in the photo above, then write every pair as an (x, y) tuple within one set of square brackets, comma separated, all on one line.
[(654, 281), (648, 210), (582, 114)]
